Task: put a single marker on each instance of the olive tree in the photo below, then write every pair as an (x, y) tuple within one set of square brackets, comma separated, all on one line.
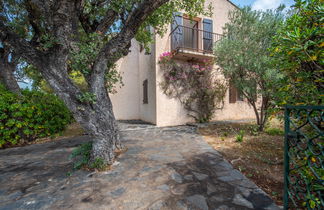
[(245, 60), (91, 36)]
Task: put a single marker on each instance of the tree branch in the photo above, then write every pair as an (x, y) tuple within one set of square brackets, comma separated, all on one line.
[(101, 26), (20, 45), (107, 21), (33, 17), (119, 45)]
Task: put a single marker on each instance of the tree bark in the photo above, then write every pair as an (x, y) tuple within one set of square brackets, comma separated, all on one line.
[(256, 112), (7, 76), (106, 135), (96, 118), (99, 122)]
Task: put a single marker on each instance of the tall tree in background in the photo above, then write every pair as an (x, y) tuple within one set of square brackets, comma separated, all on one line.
[(90, 36), (298, 52), (245, 59)]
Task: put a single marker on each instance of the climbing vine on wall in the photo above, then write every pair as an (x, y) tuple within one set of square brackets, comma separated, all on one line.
[(196, 85)]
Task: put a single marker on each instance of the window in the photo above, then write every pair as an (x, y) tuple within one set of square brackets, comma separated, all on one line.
[(145, 92), (190, 31), (234, 94)]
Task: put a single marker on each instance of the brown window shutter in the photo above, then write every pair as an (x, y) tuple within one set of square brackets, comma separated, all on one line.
[(145, 92), (232, 93)]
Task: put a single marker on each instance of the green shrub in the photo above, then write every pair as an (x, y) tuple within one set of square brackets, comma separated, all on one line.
[(274, 132), (33, 115), (240, 136)]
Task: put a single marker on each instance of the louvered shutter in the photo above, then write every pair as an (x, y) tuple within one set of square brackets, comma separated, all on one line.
[(145, 92), (208, 34), (177, 32)]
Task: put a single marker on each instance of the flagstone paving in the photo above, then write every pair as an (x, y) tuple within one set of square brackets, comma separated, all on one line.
[(163, 168)]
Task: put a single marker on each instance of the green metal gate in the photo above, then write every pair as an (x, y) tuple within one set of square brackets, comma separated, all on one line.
[(304, 157)]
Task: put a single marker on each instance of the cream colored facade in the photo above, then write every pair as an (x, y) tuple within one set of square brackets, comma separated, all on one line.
[(160, 109)]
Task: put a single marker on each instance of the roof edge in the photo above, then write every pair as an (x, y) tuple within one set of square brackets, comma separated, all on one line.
[(233, 4)]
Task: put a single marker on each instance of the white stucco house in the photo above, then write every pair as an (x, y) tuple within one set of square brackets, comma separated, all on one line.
[(141, 98)]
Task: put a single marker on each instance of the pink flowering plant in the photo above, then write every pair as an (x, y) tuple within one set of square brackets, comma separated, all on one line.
[(195, 85), (165, 57)]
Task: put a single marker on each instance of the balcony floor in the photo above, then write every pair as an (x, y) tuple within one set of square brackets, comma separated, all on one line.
[(192, 54)]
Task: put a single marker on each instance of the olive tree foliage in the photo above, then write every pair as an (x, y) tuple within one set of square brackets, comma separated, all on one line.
[(245, 60), (298, 51), (87, 36)]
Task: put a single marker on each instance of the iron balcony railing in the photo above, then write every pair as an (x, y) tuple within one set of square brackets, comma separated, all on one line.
[(193, 39)]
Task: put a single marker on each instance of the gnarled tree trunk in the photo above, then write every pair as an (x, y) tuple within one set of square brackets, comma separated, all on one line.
[(96, 118), (106, 135), (7, 77), (99, 122), (7, 70)]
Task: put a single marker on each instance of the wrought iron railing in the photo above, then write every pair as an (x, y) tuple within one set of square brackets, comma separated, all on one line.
[(193, 39), (304, 157)]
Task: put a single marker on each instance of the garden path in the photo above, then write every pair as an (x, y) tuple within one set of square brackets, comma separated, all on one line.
[(163, 168)]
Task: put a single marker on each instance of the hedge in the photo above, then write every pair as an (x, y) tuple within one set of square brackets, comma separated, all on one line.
[(32, 115)]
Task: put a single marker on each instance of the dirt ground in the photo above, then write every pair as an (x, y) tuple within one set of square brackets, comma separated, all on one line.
[(259, 156)]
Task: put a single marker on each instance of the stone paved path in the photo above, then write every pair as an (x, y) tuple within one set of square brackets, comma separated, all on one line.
[(164, 168)]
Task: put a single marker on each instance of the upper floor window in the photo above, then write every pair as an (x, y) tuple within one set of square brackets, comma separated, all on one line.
[(193, 34)]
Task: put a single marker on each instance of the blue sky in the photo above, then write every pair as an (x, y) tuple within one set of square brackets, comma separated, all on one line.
[(263, 4)]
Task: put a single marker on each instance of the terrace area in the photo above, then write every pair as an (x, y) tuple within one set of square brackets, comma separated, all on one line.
[(193, 43)]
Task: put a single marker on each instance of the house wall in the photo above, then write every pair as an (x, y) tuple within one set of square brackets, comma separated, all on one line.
[(170, 111), (162, 110), (128, 101), (147, 64)]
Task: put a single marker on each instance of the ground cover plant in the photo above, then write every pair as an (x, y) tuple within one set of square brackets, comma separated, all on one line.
[(31, 115)]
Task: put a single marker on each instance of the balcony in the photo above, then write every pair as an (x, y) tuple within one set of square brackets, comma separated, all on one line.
[(193, 43)]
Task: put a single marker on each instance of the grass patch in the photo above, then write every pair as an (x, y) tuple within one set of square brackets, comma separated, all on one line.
[(240, 136), (81, 157), (274, 131)]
